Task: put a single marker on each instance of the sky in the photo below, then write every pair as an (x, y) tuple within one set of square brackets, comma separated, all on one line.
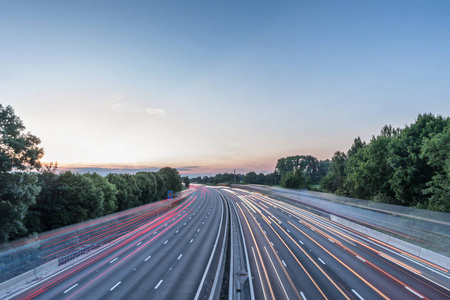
[(214, 86)]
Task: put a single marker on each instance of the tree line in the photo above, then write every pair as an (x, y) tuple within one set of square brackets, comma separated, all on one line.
[(409, 166), (35, 198)]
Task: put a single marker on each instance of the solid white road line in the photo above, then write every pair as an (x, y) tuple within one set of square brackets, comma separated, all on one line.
[(358, 295), (70, 288), (158, 284), (360, 258), (303, 296), (414, 292), (115, 285)]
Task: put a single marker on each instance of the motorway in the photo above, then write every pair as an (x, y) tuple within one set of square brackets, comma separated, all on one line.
[(295, 254), (175, 256), (288, 253)]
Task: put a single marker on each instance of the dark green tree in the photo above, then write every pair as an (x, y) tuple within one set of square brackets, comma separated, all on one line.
[(128, 192), (19, 151), (146, 182), (172, 179), (436, 151), (108, 190), (334, 180), (412, 171), (186, 181)]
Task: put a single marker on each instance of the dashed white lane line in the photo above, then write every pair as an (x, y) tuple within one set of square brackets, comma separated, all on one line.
[(166, 242), (191, 240), (331, 240), (113, 260), (303, 296), (138, 243), (358, 295), (180, 256), (198, 230), (147, 258), (360, 258), (288, 230), (321, 261), (176, 231), (70, 288), (115, 285), (158, 284), (284, 264), (300, 242), (271, 243), (414, 292)]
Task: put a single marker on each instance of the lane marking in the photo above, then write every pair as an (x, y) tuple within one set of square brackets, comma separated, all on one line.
[(138, 243), (166, 242), (303, 296), (176, 231), (147, 258), (180, 256), (115, 285), (414, 292), (198, 230), (300, 242), (283, 263), (158, 284), (331, 240), (113, 260), (272, 243), (360, 258), (321, 261), (191, 240), (288, 230), (70, 288), (358, 295)]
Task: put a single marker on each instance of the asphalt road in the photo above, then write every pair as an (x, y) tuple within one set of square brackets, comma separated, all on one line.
[(288, 253), (175, 256), (295, 254)]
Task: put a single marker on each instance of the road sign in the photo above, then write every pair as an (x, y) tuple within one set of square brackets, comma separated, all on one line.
[(169, 195)]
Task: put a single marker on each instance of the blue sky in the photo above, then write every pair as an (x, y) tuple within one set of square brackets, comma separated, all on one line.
[(213, 86)]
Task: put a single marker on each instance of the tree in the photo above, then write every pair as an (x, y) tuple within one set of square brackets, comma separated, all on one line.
[(146, 182), (334, 180), (295, 180), (367, 172), (436, 151), (411, 170), (186, 181), (172, 179), (108, 190), (128, 192), (19, 151)]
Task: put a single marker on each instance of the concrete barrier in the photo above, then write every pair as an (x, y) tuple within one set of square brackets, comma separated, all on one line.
[(27, 277), (423, 253)]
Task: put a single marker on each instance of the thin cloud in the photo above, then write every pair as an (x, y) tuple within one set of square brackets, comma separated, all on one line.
[(155, 111)]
